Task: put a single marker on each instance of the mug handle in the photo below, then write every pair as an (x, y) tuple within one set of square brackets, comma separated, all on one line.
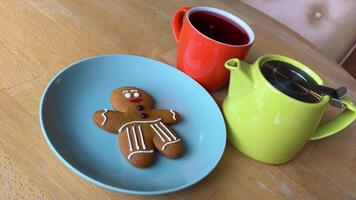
[(178, 21), (338, 123)]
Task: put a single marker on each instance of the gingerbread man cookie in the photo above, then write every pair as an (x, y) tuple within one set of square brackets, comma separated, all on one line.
[(141, 129)]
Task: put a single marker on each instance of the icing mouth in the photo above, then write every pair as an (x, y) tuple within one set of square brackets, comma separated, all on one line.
[(135, 100)]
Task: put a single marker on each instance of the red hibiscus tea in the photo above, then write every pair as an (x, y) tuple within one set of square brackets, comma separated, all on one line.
[(219, 28)]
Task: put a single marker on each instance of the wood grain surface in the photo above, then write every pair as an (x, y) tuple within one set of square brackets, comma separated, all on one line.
[(40, 37)]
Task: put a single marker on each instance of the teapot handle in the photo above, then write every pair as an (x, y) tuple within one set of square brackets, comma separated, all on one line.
[(338, 123)]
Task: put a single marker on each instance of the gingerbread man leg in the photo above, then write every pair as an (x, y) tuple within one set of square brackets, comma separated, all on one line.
[(166, 141), (137, 148)]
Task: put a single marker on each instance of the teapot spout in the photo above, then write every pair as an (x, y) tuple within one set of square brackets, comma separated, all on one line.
[(232, 64), (240, 70), (241, 79)]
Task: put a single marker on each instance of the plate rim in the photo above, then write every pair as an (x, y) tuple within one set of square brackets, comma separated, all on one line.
[(107, 186)]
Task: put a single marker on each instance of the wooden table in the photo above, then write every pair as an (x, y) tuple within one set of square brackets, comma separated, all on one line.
[(39, 37)]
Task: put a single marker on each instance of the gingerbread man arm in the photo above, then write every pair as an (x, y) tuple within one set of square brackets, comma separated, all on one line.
[(109, 120), (167, 116)]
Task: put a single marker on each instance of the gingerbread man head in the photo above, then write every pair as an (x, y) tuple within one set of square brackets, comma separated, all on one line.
[(127, 98)]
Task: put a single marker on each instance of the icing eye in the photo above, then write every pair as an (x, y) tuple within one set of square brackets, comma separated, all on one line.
[(136, 94), (127, 95)]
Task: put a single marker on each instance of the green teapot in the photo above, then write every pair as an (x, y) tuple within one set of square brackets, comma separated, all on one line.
[(274, 107)]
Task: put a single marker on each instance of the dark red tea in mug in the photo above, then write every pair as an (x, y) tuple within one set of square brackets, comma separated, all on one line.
[(219, 28)]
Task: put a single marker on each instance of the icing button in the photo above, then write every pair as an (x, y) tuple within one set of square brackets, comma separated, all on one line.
[(143, 115), (139, 107)]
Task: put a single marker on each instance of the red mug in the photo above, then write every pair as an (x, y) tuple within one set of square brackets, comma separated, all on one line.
[(207, 37)]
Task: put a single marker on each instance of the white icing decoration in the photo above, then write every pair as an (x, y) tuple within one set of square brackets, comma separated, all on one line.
[(168, 130), (128, 137), (133, 90), (142, 139), (133, 153), (125, 91), (136, 94), (164, 146), (174, 114), (104, 117), (127, 95), (169, 139), (157, 133), (135, 137), (140, 122), (157, 129)]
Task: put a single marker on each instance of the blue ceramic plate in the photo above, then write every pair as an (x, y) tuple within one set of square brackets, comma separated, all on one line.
[(76, 92)]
